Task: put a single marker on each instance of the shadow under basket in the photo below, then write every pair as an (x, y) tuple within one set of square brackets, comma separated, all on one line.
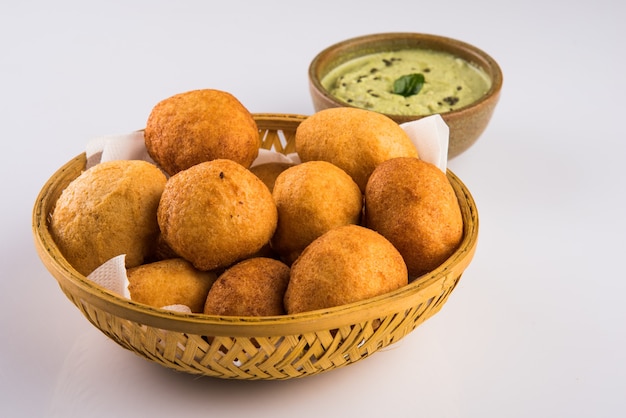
[(250, 348)]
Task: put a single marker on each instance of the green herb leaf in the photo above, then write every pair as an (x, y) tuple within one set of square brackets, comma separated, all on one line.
[(409, 84)]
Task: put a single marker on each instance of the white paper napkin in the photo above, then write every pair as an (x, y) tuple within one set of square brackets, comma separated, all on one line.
[(112, 276), (131, 146), (430, 136), (268, 156)]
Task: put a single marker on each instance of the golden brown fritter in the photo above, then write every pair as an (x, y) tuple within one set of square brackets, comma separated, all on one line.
[(170, 282), (200, 125), (412, 203), (355, 140), (216, 213), (109, 210), (253, 287), (345, 265), (312, 198)]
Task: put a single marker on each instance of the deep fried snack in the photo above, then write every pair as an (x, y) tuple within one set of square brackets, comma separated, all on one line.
[(200, 125), (170, 282), (312, 198), (110, 209), (269, 171), (252, 287), (216, 213), (345, 265), (355, 140), (412, 203)]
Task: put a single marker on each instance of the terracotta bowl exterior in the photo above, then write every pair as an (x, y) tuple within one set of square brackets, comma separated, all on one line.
[(466, 124)]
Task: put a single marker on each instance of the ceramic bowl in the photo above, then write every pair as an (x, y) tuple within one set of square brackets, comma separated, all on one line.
[(466, 123)]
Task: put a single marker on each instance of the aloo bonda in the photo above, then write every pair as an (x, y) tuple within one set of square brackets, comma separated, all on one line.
[(345, 265), (312, 198), (109, 210), (200, 125), (170, 282), (216, 213), (412, 204)]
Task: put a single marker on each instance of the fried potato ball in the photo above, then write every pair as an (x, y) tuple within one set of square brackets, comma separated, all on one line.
[(216, 213), (252, 287), (200, 125), (170, 282), (412, 204), (345, 265), (312, 198), (269, 171), (355, 140), (110, 209)]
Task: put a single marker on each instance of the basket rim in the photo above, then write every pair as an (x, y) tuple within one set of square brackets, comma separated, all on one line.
[(200, 324)]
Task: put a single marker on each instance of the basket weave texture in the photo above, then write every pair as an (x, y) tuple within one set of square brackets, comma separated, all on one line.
[(247, 348)]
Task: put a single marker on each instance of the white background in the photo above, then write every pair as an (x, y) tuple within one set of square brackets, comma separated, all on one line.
[(537, 325)]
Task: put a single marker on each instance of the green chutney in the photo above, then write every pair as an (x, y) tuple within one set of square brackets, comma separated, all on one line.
[(367, 82)]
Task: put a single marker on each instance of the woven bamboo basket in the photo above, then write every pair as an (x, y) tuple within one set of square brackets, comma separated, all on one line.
[(247, 348)]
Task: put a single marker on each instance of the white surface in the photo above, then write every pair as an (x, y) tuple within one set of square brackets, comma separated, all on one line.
[(537, 325)]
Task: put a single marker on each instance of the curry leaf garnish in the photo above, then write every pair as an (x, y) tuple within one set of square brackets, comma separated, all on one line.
[(409, 84)]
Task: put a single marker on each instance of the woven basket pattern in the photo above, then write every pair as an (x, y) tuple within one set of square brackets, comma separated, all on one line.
[(251, 349)]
